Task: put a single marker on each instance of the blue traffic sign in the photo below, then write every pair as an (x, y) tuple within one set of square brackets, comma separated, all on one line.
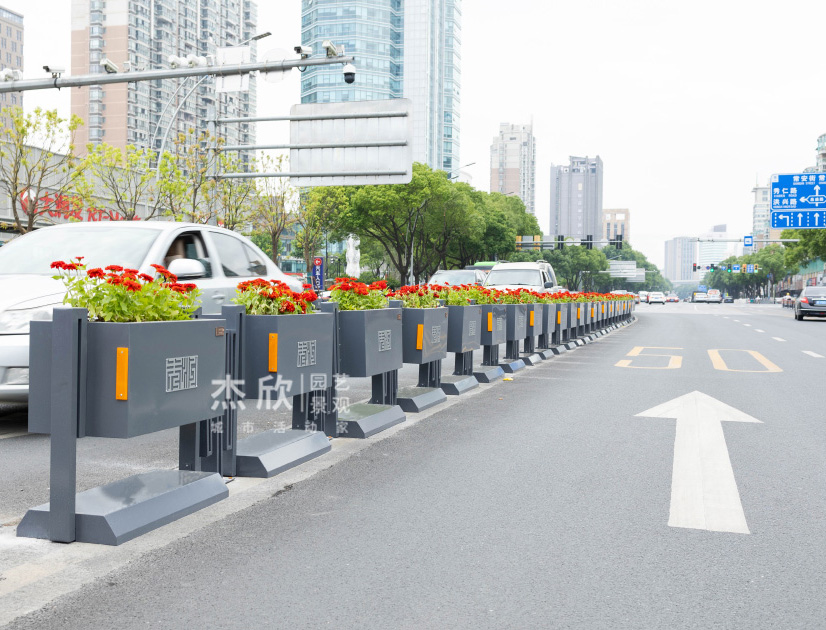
[(804, 191), (318, 274), (799, 219), (702, 288), (748, 241), (749, 268), (735, 268)]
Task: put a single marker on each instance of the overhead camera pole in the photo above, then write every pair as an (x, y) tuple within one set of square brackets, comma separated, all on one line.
[(57, 81)]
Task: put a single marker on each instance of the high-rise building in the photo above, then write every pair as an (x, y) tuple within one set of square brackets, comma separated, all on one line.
[(761, 215), (680, 257), (403, 48), (11, 51), (576, 198), (513, 163), (144, 34), (713, 248), (616, 223)]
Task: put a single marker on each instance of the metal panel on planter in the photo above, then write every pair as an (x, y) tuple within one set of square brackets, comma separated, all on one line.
[(494, 317), (533, 320), (370, 342), (517, 322), (464, 328), (297, 349), (424, 333), (157, 383)]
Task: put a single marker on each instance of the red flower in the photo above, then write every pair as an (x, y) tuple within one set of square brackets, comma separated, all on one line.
[(306, 286), (97, 272), (146, 278), (114, 268), (58, 264)]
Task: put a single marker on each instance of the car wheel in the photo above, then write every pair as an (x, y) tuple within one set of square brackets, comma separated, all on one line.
[(798, 316)]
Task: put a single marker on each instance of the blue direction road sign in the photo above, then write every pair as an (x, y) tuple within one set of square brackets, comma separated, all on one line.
[(748, 241), (799, 219), (735, 269), (318, 274), (702, 288), (749, 268), (802, 191)]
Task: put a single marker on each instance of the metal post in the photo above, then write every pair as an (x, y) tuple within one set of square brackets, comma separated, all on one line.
[(385, 388), (430, 374), (68, 400)]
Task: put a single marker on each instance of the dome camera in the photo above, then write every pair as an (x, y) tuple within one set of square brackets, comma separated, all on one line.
[(349, 73)]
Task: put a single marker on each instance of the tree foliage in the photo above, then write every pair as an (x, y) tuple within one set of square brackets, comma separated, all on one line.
[(771, 260), (39, 171), (271, 207)]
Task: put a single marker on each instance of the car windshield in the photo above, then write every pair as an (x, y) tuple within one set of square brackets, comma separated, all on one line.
[(35, 252), (456, 276), (526, 277)]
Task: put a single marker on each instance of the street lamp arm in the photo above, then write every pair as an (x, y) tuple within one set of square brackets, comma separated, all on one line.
[(152, 75), (172, 120)]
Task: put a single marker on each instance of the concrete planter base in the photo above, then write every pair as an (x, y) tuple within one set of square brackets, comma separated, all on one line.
[(533, 358), (364, 419), (417, 399), (512, 366), (488, 374), (118, 512), (272, 452), (458, 385)]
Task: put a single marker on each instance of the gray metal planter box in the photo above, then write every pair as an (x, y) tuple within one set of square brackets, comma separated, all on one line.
[(464, 328), (494, 317), (533, 320), (548, 324), (517, 322), (370, 342), (296, 348), (424, 334), (140, 377)]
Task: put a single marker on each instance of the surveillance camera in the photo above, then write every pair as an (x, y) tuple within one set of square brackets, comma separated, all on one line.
[(174, 61), (55, 71), (110, 66), (331, 49), (349, 73), (304, 51)]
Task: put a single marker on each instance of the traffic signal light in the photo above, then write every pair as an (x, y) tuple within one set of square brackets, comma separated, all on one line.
[(589, 242), (560, 241), (712, 266), (618, 242), (756, 267), (693, 266), (728, 268)]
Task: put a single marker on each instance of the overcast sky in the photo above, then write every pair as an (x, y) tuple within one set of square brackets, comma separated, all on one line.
[(689, 104)]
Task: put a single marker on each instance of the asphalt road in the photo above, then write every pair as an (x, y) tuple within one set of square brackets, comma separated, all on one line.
[(545, 502)]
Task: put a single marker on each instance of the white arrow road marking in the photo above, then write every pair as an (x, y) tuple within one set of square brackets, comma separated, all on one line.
[(703, 490), (813, 354), (778, 339)]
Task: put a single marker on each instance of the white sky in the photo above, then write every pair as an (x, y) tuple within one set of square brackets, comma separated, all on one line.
[(688, 104)]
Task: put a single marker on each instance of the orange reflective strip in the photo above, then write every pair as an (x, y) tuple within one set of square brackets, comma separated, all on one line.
[(490, 322), (578, 312), (122, 374), (531, 318), (559, 317), (419, 336), (592, 312), (273, 362)]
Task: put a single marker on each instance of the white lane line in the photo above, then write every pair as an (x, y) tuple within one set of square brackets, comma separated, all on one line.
[(726, 317), (736, 320), (758, 330), (813, 354), (746, 324), (778, 339)]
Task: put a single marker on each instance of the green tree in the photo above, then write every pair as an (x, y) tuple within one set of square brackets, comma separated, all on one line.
[(39, 172), (187, 182)]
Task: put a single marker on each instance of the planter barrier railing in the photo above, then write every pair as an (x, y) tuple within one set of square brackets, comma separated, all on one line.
[(120, 380), (516, 330), (493, 333), (464, 335), (533, 328), (369, 346), (424, 343)]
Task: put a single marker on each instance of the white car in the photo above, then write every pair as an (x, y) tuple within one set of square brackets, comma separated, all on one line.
[(699, 297), (538, 276), (213, 258), (714, 296), (656, 297)]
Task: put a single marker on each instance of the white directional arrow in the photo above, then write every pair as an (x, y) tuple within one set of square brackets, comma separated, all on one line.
[(703, 490)]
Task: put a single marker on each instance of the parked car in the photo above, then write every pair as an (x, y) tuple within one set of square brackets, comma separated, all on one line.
[(213, 258), (458, 276), (538, 276), (656, 297), (714, 296), (810, 303)]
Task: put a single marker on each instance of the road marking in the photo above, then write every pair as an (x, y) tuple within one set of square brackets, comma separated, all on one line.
[(758, 330), (726, 317), (736, 320), (703, 489), (746, 324), (12, 434), (778, 339), (674, 361), (813, 354), (719, 364)]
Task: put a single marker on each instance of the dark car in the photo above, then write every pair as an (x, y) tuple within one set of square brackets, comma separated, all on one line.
[(810, 303), (728, 299)]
